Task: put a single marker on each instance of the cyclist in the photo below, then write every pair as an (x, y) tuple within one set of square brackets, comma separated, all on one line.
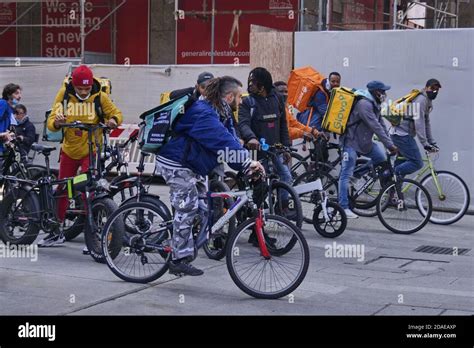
[(403, 135), (296, 130), (25, 131), (11, 96), (81, 94), (365, 120), (192, 154), (262, 115)]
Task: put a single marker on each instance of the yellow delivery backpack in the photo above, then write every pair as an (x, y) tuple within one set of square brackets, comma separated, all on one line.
[(339, 108), (401, 108)]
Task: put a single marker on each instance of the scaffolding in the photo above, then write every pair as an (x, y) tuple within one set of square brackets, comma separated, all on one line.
[(327, 14)]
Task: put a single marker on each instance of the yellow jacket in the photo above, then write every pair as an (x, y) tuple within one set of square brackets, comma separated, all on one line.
[(75, 141)]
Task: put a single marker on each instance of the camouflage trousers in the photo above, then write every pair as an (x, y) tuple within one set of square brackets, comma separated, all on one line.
[(185, 189)]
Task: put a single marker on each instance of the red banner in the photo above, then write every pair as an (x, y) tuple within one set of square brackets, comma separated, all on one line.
[(132, 33), (65, 41), (232, 31), (8, 38)]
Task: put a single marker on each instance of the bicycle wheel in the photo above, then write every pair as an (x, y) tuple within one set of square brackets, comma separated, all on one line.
[(140, 257), (102, 208), (215, 247), (451, 204), (19, 217), (270, 278), (127, 189), (364, 204), (285, 202), (308, 201), (405, 213), (336, 223)]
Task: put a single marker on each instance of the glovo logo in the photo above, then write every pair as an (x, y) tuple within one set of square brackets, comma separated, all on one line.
[(340, 112), (304, 90)]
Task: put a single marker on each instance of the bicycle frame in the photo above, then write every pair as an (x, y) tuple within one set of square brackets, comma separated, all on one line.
[(209, 227), (429, 167)]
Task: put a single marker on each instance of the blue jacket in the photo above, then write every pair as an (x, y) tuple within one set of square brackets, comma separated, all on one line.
[(5, 118), (202, 140)]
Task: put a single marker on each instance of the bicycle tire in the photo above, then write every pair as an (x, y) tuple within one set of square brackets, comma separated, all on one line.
[(24, 195), (334, 209), (112, 260), (436, 217), (382, 207), (231, 265), (93, 234)]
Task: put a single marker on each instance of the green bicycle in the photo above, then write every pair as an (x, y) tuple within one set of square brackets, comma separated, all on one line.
[(449, 193)]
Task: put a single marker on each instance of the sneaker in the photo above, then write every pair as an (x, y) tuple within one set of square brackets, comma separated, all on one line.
[(350, 214), (180, 267), (51, 240), (269, 240), (85, 251)]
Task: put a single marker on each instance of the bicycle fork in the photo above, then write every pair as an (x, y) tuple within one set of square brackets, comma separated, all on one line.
[(259, 223)]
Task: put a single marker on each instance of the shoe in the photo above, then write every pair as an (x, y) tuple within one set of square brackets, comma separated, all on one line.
[(269, 240), (85, 251), (350, 214), (51, 240), (180, 267)]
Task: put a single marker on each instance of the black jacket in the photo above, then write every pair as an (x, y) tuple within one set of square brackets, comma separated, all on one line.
[(267, 120), (28, 131)]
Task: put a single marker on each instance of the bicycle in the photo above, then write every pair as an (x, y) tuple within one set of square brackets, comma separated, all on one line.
[(448, 191), (276, 203), (31, 205), (402, 205), (144, 254)]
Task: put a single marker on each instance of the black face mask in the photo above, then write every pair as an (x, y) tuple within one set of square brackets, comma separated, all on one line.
[(432, 95)]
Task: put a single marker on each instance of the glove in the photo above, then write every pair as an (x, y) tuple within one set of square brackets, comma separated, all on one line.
[(431, 148), (436, 147)]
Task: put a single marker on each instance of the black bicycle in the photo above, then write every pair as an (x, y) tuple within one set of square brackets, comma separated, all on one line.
[(31, 205)]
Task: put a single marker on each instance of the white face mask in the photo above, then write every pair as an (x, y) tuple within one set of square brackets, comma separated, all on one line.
[(82, 99), (328, 85)]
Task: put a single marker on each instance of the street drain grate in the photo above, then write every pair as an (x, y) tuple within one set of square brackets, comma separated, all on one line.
[(441, 250)]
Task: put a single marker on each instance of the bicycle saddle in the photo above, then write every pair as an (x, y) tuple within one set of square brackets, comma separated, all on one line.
[(42, 148)]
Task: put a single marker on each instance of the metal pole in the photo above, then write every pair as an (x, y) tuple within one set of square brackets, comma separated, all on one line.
[(394, 14), (328, 15), (212, 30), (320, 15), (302, 15), (83, 35)]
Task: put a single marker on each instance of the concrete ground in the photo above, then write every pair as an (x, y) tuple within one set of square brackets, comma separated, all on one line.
[(392, 279)]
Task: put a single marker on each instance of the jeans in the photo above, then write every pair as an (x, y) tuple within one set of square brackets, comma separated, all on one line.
[(409, 150), (376, 155), (283, 172)]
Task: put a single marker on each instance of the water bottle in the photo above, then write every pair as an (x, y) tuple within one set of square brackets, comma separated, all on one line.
[(264, 145)]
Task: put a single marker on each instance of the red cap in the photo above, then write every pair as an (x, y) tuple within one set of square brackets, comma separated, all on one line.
[(82, 77)]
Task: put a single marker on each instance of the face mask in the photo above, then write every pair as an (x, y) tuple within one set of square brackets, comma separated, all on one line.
[(432, 95), (15, 101), (379, 97), (82, 99), (328, 85)]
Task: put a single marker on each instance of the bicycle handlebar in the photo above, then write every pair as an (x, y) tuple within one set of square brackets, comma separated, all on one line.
[(84, 126)]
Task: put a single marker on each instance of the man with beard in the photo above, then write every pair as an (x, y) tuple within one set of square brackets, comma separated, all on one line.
[(193, 153)]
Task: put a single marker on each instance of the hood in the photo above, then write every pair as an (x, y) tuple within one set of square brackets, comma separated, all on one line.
[(365, 93)]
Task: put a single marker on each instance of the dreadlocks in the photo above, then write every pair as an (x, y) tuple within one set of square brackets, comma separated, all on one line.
[(218, 88), (262, 77)]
